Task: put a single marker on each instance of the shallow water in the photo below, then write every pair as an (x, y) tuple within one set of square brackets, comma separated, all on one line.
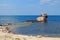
[(40, 28)]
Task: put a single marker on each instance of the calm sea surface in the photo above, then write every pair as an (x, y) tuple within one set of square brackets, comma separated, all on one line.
[(52, 26)]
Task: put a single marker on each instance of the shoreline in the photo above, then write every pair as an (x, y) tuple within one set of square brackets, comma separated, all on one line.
[(11, 36)]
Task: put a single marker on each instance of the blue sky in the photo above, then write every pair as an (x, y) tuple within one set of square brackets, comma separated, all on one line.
[(29, 7)]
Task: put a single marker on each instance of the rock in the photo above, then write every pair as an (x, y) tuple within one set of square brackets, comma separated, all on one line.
[(31, 21), (42, 18)]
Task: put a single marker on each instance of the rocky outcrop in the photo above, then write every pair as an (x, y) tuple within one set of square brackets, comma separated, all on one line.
[(41, 18)]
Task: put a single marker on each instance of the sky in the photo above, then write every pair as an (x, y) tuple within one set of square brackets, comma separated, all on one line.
[(29, 7)]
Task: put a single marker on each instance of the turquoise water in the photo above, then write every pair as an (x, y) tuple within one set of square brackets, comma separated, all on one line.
[(52, 26)]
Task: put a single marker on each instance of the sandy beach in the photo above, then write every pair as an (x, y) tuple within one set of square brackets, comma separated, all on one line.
[(10, 36)]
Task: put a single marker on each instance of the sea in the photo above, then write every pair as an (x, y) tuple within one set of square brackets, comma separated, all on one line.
[(52, 26)]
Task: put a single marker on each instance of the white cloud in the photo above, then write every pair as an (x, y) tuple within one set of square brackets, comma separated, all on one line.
[(44, 1), (49, 2)]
